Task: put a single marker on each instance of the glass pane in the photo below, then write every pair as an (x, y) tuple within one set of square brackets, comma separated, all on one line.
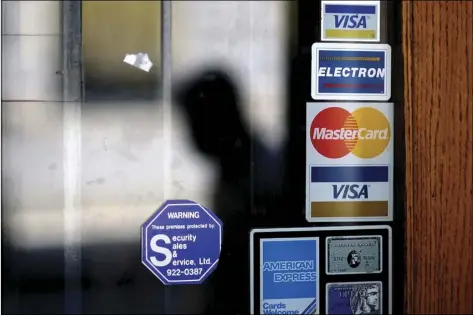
[(122, 155), (110, 30), (229, 79), (80, 176)]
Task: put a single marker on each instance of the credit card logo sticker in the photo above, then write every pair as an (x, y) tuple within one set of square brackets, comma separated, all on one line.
[(351, 72), (353, 255), (342, 21), (335, 132), (289, 276), (348, 71), (349, 156), (354, 298), (349, 191)]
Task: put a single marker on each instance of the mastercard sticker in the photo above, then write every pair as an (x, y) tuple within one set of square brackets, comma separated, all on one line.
[(349, 154)]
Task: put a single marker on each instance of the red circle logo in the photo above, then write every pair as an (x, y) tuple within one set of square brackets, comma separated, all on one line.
[(333, 119)]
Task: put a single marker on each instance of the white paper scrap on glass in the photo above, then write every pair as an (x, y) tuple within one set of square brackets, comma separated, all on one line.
[(139, 60)]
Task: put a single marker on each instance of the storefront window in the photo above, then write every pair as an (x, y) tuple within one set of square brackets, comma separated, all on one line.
[(222, 124)]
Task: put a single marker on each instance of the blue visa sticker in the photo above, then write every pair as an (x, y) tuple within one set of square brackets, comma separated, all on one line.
[(359, 72), (350, 21), (289, 276)]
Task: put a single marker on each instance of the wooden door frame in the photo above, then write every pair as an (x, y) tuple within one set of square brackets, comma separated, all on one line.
[(437, 44)]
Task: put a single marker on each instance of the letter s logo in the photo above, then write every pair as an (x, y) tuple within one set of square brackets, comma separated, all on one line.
[(161, 250)]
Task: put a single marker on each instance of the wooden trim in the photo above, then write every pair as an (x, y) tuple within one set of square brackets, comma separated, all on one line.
[(438, 100)]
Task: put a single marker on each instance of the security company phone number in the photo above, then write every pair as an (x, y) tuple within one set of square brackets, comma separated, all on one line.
[(185, 272)]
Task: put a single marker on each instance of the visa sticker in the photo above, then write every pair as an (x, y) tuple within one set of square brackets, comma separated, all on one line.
[(349, 158), (350, 21)]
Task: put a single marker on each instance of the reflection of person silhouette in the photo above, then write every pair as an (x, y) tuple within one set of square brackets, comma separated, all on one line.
[(365, 300), (249, 179)]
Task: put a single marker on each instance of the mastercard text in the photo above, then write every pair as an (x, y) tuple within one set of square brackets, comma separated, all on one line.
[(351, 72), (350, 134)]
